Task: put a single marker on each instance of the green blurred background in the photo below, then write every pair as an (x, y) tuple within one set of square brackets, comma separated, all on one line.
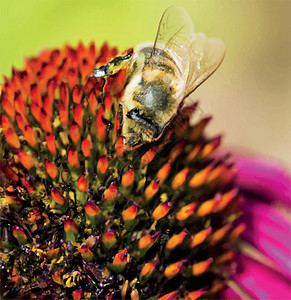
[(249, 96)]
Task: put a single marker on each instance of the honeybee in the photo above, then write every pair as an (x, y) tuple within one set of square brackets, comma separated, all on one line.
[(162, 74)]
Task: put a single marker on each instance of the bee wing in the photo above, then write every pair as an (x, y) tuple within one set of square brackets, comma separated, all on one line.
[(175, 33), (206, 54)]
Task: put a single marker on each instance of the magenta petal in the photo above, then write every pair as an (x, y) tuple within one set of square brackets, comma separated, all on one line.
[(230, 294), (269, 231), (262, 282), (261, 176)]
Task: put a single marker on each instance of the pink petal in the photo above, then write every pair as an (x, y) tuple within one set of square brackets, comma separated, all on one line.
[(269, 231), (261, 282), (264, 177)]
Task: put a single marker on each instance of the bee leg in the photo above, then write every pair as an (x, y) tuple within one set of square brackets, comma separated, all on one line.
[(116, 64), (100, 72)]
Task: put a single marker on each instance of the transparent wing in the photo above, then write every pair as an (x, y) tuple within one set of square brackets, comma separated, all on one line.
[(175, 33), (206, 54)]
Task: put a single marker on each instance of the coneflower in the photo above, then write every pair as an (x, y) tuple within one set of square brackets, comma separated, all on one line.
[(81, 217)]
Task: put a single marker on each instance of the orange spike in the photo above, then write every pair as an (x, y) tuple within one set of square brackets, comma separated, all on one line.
[(180, 178), (48, 106), (101, 127), (111, 193), (194, 295), (51, 144), (64, 94), (35, 95), (73, 77), (86, 146), (74, 132), (29, 135), (219, 234), (107, 102), (82, 183), (198, 129), (130, 212), (161, 210), (11, 138), (8, 108), (57, 278), (152, 188), (148, 269), (121, 256), (148, 156), (208, 206), (127, 178), (48, 103), (164, 171), (176, 151), (26, 159), (73, 158), (71, 225), (216, 173), (225, 257), (63, 113), (5, 123), (51, 168), (176, 239), (91, 208), (77, 294), (21, 122), (46, 124), (174, 268), (210, 147), (85, 68), (36, 112), (77, 94), (201, 267), (8, 172), (200, 177), (193, 154), (57, 196), (89, 85), (185, 212), (200, 237), (148, 240), (226, 198), (93, 103), (237, 231), (170, 296), (119, 147), (102, 165), (19, 105), (79, 114)]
